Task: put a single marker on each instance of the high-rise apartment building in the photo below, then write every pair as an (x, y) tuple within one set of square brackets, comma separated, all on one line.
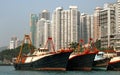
[(65, 26), (36, 25), (45, 14), (89, 27), (40, 33), (118, 17), (85, 27), (43, 31), (75, 23), (96, 24), (56, 27), (92, 25), (14, 43), (47, 31), (117, 41), (33, 22), (107, 23)]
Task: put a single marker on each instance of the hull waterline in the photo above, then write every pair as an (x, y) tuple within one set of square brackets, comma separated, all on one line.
[(114, 66), (56, 61), (81, 62)]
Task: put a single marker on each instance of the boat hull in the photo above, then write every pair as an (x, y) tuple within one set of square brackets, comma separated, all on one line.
[(81, 62), (56, 61), (114, 66), (101, 64)]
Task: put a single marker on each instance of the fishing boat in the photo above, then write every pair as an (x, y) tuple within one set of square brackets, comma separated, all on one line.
[(114, 64), (100, 62), (42, 58), (82, 60)]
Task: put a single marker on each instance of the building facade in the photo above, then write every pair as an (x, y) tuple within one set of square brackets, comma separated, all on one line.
[(85, 27), (40, 33), (43, 32), (92, 25), (96, 24), (65, 26), (47, 31), (107, 23), (117, 41), (33, 22), (44, 14), (14, 43), (56, 27), (37, 27)]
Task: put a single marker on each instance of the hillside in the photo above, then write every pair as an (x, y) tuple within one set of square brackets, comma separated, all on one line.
[(3, 48), (8, 54)]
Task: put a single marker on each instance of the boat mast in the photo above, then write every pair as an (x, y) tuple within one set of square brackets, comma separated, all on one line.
[(50, 40), (26, 38), (91, 42)]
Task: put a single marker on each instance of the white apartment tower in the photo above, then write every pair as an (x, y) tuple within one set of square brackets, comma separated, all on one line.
[(40, 33), (45, 14), (96, 24), (118, 17), (65, 26), (39, 26), (107, 23), (85, 27), (56, 27), (117, 42), (91, 29), (47, 31), (14, 43), (75, 23), (43, 32)]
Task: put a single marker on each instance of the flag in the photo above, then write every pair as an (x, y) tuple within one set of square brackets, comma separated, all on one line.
[(81, 40)]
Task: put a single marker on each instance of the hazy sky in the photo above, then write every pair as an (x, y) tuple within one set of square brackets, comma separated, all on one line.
[(14, 14)]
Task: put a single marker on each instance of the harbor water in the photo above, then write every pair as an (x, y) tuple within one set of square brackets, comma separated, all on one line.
[(9, 70)]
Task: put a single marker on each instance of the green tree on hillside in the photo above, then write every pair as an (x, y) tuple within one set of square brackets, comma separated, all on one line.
[(9, 54)]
